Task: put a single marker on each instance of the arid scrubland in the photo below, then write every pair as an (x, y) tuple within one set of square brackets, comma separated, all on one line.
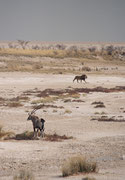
[(57, 58), (85, 122)]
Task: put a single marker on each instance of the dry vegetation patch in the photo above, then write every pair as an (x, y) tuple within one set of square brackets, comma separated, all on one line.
[(56, 137), (14, 102), (109, 119), (74, 92), (4, 134), (24, 136), (41, 106), (27, 135), (98, 104), (78, 164), (67, 111)]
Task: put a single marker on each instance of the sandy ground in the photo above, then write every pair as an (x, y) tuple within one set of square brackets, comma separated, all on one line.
[(103, 142)]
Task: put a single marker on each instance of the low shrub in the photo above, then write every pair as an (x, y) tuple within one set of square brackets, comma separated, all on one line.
[(4, 134), (78, 164), (68, 111)]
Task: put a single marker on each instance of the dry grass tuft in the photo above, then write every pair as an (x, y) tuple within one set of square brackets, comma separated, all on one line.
[(78, 164), (24, 175), (45, 100), (67, 111), (5, 135)]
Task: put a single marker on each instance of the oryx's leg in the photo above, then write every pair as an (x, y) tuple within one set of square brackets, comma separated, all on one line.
[(42, 133), (37, 133), (34, 133)]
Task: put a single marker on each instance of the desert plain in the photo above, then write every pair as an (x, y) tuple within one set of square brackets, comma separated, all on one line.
[(92, 113)]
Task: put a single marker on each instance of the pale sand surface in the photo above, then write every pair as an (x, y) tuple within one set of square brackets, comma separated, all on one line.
[(103, 142)]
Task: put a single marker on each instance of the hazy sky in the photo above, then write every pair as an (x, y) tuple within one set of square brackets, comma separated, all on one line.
[(63, 20)]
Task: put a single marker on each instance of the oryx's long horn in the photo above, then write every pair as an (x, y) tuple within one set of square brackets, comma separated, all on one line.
[(33, 111)]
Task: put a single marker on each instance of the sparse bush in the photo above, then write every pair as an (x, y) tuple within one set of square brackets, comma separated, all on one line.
[(86, 68), (24, 175), (68, 111), (78, 164)]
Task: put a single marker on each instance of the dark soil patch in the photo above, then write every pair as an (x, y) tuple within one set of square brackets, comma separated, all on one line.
[(47, 137), (97, 102), (78, 100), (41, 106), (56, 137), (100, 106), (48, 92)]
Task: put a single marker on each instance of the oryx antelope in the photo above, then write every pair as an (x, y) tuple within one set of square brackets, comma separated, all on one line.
[(38, 124), (82, 77)]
